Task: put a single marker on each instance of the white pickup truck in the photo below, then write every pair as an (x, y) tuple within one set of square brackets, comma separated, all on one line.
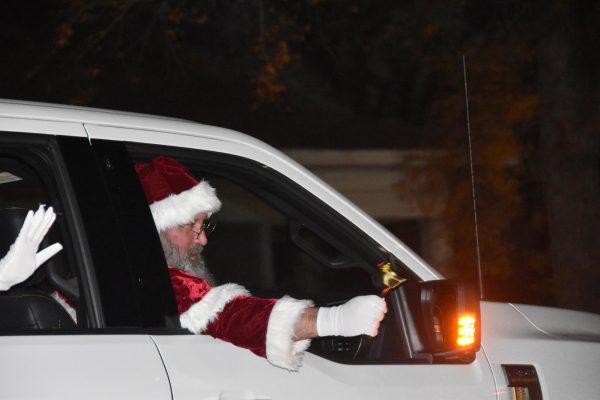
[(281, 231)]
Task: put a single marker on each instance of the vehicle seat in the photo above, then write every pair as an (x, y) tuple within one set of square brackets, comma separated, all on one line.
[(25, 309)]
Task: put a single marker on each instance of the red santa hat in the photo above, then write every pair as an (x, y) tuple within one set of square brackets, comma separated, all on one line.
[(174, 195)]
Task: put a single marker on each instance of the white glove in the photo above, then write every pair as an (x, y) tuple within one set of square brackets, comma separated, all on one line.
[(22, 258), (359, 316)]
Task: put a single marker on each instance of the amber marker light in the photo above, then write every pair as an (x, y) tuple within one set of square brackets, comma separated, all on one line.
[(466, 330)]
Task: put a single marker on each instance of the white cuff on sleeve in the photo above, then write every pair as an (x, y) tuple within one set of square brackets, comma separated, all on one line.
[(282, 349), (202, 313)]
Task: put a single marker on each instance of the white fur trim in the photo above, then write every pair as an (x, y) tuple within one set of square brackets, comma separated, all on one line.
[(68, 308), (179, 209), (202, 313), (282, 350)]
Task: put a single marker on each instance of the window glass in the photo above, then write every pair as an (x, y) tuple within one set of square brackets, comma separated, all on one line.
[(258, 245), (274, 249)]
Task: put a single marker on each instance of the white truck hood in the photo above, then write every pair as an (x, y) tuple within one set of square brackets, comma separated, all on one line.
[(563, 323)]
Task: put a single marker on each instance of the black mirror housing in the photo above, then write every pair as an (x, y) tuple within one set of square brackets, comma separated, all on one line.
[(443, 320)]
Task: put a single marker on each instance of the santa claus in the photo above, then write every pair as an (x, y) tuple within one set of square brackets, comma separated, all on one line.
[(278, 329)]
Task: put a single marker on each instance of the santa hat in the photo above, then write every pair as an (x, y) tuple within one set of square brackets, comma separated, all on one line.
[(174, 195)]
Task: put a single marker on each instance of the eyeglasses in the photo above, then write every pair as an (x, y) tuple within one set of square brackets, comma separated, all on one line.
[(207, 227)]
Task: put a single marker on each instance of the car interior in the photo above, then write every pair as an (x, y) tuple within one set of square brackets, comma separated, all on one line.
[(30, 305)]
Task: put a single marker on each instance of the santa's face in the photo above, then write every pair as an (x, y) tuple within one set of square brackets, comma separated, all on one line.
[(184, 237), (183, 248)]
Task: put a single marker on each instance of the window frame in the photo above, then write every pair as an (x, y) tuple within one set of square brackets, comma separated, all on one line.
[(115, 296), (43, 154), (122, 224)]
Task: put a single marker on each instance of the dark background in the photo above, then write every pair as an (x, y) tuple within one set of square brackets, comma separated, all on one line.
[(367, 75)]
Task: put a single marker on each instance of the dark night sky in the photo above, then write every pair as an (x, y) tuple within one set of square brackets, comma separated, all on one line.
[(336, 93)]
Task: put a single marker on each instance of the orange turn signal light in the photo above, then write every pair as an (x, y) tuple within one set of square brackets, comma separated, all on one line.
[(466, 329)]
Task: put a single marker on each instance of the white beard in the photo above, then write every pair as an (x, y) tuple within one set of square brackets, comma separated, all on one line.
[(184, 261)]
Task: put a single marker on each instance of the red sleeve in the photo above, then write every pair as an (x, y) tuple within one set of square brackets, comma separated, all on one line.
[(226, 312), (244, 322)]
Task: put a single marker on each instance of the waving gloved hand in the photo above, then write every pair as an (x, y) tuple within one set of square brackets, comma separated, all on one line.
[(359, 316), (23, 257)]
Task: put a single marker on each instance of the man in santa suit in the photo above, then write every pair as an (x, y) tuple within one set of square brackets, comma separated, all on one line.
[(278, 329)]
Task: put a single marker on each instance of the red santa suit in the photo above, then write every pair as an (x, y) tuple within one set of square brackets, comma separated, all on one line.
[(227, 312)]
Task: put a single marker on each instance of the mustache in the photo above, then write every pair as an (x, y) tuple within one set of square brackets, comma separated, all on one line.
[(171, 251), (195, 250), (191, 261)]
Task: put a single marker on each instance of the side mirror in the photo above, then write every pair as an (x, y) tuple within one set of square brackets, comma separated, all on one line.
[(442, 320), (450, 320)]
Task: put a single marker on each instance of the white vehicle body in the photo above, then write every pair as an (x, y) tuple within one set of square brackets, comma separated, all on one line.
[(562, 347)]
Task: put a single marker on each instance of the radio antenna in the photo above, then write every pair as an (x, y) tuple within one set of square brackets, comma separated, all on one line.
[(479, 273)]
